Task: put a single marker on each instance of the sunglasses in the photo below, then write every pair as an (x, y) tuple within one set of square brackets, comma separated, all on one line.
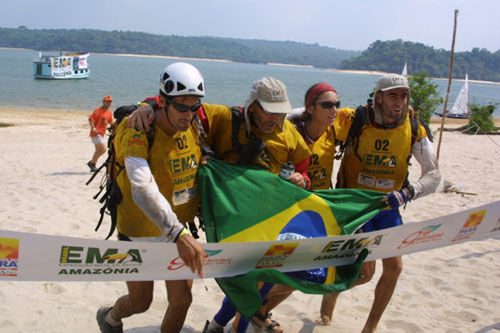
[(329, 105), (266, 113), (185, 108)]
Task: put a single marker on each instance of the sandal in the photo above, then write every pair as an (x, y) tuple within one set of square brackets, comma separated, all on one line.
[(271, 328)]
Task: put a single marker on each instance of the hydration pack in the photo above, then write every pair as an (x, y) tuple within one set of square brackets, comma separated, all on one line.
[(112, 195), (246, 153)]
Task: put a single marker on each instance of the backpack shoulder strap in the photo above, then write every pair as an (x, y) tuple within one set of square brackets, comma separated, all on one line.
[(414, 130), (359, 119), (236, 119)]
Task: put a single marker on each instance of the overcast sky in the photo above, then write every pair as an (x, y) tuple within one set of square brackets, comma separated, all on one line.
[(343, 24)]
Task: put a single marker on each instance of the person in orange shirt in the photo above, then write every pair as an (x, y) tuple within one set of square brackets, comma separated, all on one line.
[(99, 121)]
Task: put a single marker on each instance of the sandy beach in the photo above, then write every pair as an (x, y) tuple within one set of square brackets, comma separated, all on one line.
[(43, 174)]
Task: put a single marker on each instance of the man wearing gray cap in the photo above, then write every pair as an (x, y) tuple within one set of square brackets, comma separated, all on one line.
[(376, 157)]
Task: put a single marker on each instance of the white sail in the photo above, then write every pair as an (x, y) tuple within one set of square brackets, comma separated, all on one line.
[(405, 70), (461, 106)]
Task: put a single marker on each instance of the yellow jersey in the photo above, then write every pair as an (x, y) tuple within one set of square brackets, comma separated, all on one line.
[(173, 161), (381, 162), (281, 146)]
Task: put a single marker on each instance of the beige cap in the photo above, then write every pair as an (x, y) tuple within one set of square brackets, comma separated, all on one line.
[(391, 81), (271, 94)]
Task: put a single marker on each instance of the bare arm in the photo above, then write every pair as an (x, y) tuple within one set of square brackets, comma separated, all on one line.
[(141, 118), (92, 126)]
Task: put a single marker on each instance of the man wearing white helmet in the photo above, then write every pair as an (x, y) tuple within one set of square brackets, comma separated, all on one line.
[(261, 137), (158, 184), (378, 159), (258, 135)]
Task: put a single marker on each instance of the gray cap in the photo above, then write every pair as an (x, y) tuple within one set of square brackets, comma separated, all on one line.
[(391, 81), (271, 94)]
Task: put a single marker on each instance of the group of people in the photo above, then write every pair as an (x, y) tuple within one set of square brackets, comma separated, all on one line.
[(159, 201)]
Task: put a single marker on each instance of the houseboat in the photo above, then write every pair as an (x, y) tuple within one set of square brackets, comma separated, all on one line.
[(62, 66)]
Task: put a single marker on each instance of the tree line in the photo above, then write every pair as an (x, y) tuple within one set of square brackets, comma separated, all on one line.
[(385, 56), (238, 50), (390, 56)]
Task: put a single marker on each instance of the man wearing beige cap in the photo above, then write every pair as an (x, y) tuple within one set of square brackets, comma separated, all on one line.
[(377, 158), (256, 134)]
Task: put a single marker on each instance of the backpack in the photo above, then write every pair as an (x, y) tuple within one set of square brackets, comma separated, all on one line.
[(246, 153), (362, 118), (112, 195)]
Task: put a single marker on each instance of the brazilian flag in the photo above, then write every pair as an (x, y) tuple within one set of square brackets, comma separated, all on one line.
[(242, 204)]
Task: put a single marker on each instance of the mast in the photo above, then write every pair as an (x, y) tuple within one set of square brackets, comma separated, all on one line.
[(450, 74)]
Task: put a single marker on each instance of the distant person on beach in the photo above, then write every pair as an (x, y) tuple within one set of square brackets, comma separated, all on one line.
[(158, 199), (99, 121), (265, 139), (378, 159)]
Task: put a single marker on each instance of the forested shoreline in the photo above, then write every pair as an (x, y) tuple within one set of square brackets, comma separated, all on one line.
[(384, 56)]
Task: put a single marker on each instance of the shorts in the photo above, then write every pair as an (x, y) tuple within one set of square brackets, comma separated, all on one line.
[(385, 219), (98, 139)]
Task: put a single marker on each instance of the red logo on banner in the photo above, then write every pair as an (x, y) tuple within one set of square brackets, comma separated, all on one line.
[(470, 226), (9, 255), (423, 236), (276, 255)]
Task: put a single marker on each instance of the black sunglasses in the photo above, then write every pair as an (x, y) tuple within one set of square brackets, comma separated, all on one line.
[(185, 108), (329, 105)]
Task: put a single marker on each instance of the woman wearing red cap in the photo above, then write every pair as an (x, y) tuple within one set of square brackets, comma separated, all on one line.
[(99, 121), (315, 124)]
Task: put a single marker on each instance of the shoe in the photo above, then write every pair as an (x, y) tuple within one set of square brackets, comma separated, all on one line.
[(104, 325), (272, 327), (219, 329), (91, 166)]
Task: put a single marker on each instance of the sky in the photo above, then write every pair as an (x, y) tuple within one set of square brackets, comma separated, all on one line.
[(342, 24)]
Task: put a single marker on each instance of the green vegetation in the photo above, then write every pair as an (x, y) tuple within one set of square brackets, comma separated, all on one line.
[(238, 50), (424, 96), (390, 56), (2, 124), (480, 119)]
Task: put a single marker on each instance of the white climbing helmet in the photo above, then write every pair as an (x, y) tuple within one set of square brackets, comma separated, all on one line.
[(181, 78)]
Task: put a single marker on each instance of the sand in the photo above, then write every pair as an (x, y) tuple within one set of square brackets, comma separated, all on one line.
[(43, 171)]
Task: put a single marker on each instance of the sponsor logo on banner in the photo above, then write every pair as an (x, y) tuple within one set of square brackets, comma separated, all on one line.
[(178, 263), (79, 260), (348, 247), (425, 235), (9, 256), (276, 255), (470, 226)]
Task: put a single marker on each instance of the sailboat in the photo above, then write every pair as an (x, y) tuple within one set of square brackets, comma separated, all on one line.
[(461, 107), (405, 70)]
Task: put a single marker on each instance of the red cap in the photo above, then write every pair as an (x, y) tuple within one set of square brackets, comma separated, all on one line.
[(107, 98), (315, 91)]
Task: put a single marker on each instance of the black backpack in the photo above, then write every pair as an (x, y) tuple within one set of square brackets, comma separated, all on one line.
[(246, 153), (362, 118), (112, 195)]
